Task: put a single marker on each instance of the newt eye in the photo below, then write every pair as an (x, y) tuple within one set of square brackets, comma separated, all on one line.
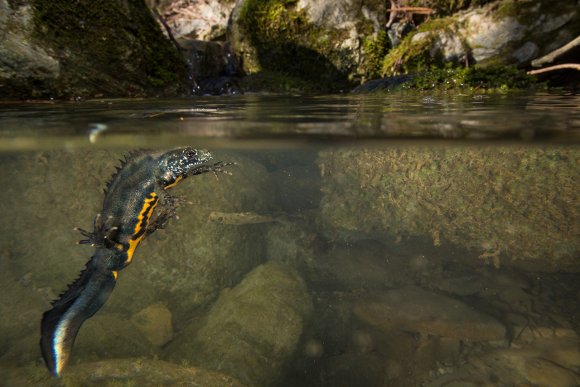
[(190, 153)]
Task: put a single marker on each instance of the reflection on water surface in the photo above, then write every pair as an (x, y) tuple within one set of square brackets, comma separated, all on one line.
[(398, 115)]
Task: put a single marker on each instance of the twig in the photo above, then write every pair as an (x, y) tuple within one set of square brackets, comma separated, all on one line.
[(393, 13), (395, 9), (549, 58), (420, 10), (573, 66), (159, 18)]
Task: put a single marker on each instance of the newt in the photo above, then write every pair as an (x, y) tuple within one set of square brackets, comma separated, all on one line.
[(133, 194)]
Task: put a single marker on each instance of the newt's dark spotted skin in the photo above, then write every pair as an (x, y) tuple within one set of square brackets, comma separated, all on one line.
[(133, 194)]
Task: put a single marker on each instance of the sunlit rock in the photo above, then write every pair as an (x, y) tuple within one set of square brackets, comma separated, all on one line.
[(498, 33), (22, 58)]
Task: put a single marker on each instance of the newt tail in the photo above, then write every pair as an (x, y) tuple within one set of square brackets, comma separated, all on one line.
[(133, 194), (83, 298)]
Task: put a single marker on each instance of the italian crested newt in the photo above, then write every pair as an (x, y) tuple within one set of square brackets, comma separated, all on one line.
[(135, 191)]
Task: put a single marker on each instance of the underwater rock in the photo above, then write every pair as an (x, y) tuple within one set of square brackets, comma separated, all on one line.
[(184, 266), (116, 372), (364, 265), (292, 243), (252, 330), (107, 336), (349, 369), (508, 205), (155, 323), (416, 310), (297, 187)]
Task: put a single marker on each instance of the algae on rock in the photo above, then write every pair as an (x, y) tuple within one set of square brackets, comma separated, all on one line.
[(510, 205)]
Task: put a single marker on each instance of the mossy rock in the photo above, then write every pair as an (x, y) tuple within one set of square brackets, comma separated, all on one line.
[(291, 38), (509, 205), (252, 330), (103, 48), (500, 33)]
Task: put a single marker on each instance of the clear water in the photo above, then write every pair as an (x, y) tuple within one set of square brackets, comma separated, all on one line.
[(394, 240)]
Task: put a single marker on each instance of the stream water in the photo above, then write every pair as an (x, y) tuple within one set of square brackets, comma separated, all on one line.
[(359, 240)]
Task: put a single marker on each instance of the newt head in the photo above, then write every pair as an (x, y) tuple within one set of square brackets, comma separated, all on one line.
[(176, 164)]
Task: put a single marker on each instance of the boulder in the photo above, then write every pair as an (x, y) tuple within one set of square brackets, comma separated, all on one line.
[(83, 49), (506, 205), (22, 58), (314, 40), (498, 33), (107, 336), (252, 330), (154, 322)]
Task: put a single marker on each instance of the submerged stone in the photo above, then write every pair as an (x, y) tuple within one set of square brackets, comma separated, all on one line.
[(509, 205), (252, 330), (416, 310), (155, 323)]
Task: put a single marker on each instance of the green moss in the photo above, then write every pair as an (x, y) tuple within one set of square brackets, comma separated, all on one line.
[(410, 56), (501, 78), (113, 48), (375, 50), (413, 55)]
